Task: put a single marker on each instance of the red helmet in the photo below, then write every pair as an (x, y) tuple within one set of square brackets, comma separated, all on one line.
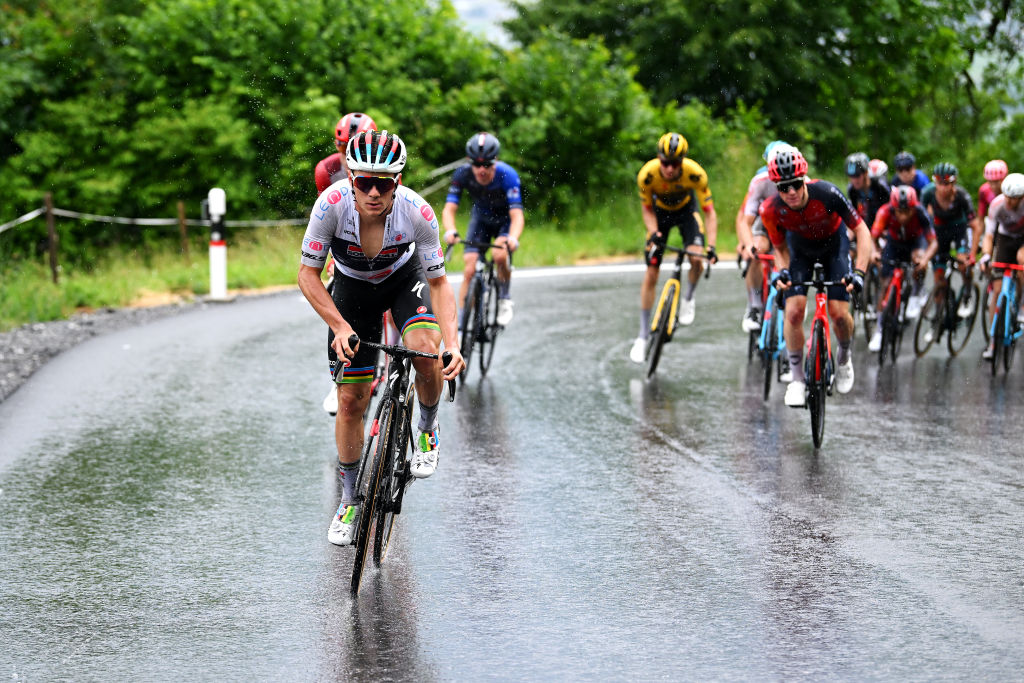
[(903, 197), (787, 164), (351, 124), (996, 170)]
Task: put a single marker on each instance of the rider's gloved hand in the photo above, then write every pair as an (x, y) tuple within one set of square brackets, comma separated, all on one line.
[(512, 243), (782, 276), (712, 255), (856, 278), (450, 236)]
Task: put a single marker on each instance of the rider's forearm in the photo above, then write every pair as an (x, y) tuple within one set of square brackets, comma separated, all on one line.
[(516, 223), (650, 220), (448, 216), (319, 298), (443, 300), (865, 245), (711, 225)]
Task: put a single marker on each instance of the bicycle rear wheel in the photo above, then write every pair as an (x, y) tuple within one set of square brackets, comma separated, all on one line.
[(370, 485), (816, 382), (659, 335), (986, 323), (888, 322), (1011, 346), (470, 313), (929, 324), (396, 478), (957, 338), (490, 327)]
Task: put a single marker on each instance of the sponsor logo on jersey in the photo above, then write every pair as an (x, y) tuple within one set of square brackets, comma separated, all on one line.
[(436, 266), (334, 197), (421, 309), (312, 245), (513, 193), (355, 249), (427, 213), (400, 237), (382, 274)]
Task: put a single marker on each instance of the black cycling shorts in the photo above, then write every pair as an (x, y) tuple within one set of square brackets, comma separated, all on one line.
[(691, 227), (833, 253), (1007, 247), (363, 304)]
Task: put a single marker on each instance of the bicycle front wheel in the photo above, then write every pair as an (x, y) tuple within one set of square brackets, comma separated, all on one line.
[(869, 316), (490, 330), (395, 480), (986, 322), (470, 313), (929, 323), (659, 335), (1011, 343), (370, 484), (817, 382), (998, 336), (769, 353), (957, 338)]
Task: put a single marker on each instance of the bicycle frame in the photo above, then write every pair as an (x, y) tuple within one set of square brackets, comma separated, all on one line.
[(1008, 297), (672, 288), (479, 310)]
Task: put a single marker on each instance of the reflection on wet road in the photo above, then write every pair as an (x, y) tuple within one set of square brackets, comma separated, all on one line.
[(165, 494)]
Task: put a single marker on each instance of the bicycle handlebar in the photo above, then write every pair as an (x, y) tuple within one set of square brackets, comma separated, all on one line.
[(484, 245), (403, 352), (683, 252)]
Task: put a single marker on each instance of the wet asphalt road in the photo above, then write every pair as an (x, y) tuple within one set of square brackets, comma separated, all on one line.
[(165, 493)]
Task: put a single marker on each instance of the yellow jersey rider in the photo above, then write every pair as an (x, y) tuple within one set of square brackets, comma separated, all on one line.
[(671, 187)]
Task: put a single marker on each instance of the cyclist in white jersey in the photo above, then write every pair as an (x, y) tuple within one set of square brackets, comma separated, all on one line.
[(388, 256), (1004, 238)]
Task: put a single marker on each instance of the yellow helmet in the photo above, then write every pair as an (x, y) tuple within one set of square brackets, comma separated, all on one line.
[(672, 147)]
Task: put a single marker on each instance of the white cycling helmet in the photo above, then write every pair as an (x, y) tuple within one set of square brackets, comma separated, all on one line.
[(1013, 185), (375, 151)]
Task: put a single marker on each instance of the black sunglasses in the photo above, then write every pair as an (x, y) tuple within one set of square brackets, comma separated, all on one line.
[(483, 164), (365, 183), (788, 185)]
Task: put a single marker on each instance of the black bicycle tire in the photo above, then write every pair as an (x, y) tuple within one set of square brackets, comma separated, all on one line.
[(490, 328), (957, 337), (870, 296), (998, 335), (927, 320), (816, 397), (888, 322), (396, 478), (1008, 349), (469, 316), (659, 335), (768, 353), (372, 488), (985, 321)]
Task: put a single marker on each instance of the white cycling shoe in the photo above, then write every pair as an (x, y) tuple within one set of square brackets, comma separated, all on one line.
[(687, 311), (875, 344), (844, 376), (343, 526), (795, 395), (752, 320), (425, 453), (638, 351), (331, 401), (506, 310)]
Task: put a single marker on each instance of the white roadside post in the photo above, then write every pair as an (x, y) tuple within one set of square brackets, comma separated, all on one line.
[(217, 207)]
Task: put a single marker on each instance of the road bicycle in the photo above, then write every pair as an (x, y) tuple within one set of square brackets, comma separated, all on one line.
[(480, 309), (384, 476), (940, 313), (819, 368), (893, 312), (663, 321), (865, 312), (1005, 328), (770, 340), (767, 268)]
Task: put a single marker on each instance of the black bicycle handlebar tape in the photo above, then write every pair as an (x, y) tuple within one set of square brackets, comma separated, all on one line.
[(446, 358), (353, 340)]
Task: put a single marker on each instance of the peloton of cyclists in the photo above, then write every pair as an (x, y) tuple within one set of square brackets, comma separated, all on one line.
[(670, 187), (804, 222), (389, 257), (910, 238), (497, 214), (952, 213), (751, 235), (1004, 228)]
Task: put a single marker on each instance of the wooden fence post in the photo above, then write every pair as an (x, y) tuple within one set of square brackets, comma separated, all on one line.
[(51, 229), (184, 230)]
